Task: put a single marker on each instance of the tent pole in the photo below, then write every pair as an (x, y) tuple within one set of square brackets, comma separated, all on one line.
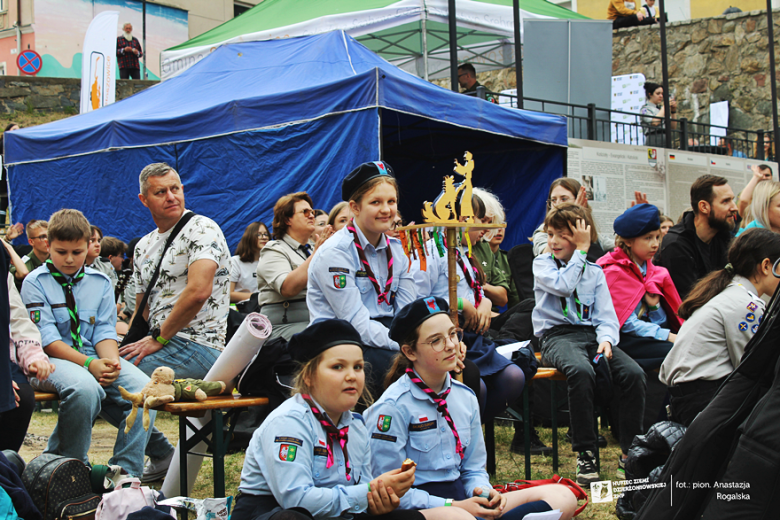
[(146, 74), (425, 44), (770, 28), (453, 46), (665, 78), (379, 133), (518, 53)]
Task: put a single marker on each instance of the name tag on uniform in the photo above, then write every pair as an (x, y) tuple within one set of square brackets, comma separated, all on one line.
[(423, 426), (319, 451), (361, 274), (383, 437)]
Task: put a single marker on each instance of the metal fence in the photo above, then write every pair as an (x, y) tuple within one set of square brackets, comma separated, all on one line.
[(616, 126)]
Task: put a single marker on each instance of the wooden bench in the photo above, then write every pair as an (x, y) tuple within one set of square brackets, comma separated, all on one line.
[(230, 406), (46, 396)]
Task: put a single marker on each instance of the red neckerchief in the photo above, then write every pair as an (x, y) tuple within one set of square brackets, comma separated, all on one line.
[(333, 434), (471, 278), (441, 405), (384, 296)]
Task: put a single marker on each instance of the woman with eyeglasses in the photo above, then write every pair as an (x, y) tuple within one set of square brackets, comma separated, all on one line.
[(564, 191), (243, 265), (282, 268)]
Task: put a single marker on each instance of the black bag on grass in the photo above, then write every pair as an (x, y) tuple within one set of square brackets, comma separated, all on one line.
[(60, 487)]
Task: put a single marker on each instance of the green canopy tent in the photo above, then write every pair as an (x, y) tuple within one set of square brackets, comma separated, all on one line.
[(411, 34)]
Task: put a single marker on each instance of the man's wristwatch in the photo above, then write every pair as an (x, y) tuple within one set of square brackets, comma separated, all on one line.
[(156, 335)]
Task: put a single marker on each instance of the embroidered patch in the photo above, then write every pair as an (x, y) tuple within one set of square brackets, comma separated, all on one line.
[(754, 328), (319, 451), (35, 316), (383, 423), (381, 167), (423, 426), (383, 437), (760, 319), (59, 305), (750, 317), (338, 270), (752, 306), (361, 274), (339, 281), (289, 440), (432, 306), (36, 304), (586, 312), (287, 452), (91, 320), (743, 326)]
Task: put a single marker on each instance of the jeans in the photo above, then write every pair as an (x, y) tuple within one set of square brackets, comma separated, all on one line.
[(82, 399), (188, 360), (570, 349)]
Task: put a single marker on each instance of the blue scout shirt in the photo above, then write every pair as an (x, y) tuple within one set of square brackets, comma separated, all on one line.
[(434, 281), (338, 286), (404, 422), (45, 301), (646, 329), (551, 284), (287, 455)]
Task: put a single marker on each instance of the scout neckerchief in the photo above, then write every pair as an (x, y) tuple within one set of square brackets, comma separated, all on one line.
[(333, 434), (384, 296), (70, 301), (441, 406), (471, 278), (565, 305)]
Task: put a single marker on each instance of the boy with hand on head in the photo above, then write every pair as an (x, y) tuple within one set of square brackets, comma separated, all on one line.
[(73, 307), (576, 321)]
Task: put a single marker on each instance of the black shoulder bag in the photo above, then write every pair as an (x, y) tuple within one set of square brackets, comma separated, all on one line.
[(139, 329)]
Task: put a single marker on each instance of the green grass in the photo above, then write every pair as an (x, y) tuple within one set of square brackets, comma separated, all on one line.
[(509, 466)]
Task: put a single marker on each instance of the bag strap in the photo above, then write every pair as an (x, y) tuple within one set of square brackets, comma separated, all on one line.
[(573, 486), (176, 229)]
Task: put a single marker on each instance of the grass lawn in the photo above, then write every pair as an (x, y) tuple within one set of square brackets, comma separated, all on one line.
[(509, 465)]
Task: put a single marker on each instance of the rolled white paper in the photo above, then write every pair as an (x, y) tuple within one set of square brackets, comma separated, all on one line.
[(242, 348)]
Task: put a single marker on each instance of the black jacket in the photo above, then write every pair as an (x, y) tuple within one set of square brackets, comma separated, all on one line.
[(731, 451), (682, 256)]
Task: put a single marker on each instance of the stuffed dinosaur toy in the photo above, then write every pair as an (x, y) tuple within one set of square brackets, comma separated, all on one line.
[(163, 389)]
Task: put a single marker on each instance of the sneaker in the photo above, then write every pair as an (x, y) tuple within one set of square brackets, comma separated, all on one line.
[(537, 446), (155, 470), (621, 470), (586, 469), (601, 439)]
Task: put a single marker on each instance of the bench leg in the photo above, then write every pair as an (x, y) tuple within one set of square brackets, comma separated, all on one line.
[(527, 433), (554, 419), (218, 438), (183, 451), (490, 445)]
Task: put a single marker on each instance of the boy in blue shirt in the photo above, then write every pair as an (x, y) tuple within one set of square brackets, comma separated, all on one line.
[(576, 321), (74, 309)]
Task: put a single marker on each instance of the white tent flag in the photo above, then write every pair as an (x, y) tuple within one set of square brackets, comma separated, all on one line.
[(98, 62)]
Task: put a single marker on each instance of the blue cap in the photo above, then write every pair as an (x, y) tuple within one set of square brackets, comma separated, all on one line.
[(637, 221)]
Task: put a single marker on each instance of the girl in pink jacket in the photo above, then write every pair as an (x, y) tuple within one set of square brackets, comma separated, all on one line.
[(644, 295), (27, 359)]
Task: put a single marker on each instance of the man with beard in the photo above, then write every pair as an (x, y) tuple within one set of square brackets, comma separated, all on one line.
[(700, 242), (128, 50)]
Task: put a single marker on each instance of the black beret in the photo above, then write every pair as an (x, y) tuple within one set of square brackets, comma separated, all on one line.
[(637, 221), (411, 316), (361, 175), (321, 336)]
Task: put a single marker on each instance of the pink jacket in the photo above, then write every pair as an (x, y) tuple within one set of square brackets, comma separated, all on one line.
[(627, 286), (25, 337)]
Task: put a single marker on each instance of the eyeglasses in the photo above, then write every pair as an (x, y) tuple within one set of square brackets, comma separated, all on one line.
[(40, 237), (263, 235), (308, 212), (555, 201), (440, 341), (396, 224)]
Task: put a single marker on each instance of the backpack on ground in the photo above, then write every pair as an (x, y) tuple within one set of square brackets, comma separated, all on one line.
[(269, 374), (128, 497), (60, 487)]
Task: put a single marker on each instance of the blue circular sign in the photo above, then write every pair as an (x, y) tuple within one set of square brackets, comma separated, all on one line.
[(29, 62)]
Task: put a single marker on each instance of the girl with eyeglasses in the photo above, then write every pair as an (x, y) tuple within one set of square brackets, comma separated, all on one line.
[(427, 416), (243, 265)]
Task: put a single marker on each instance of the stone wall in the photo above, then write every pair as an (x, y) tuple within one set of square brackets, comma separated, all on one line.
[(710, 60), (26, 93)]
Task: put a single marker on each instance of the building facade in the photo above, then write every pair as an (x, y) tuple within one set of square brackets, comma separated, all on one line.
[(55, 29), (678, 10)]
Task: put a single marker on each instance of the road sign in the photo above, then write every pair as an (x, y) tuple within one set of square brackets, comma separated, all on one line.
[(29, 62)]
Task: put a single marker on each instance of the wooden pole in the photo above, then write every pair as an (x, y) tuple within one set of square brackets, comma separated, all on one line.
[(452, 271)]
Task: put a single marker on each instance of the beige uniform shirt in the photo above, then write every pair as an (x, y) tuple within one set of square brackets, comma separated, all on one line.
[(278, 259), (711, 343)]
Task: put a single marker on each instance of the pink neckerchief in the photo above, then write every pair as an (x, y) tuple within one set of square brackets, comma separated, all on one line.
[(333, 434), (441, 405), (384, 296)]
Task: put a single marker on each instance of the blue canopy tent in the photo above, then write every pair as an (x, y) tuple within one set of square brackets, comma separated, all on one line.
[(254, 121)]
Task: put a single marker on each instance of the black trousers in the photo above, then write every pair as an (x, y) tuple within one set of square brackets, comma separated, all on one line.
[(257, 507), (129, 73), (16, 420), (631, 21), (688, 399), (649, 353)]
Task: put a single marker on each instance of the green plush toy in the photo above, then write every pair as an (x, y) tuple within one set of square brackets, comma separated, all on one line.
[(196, 389)]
